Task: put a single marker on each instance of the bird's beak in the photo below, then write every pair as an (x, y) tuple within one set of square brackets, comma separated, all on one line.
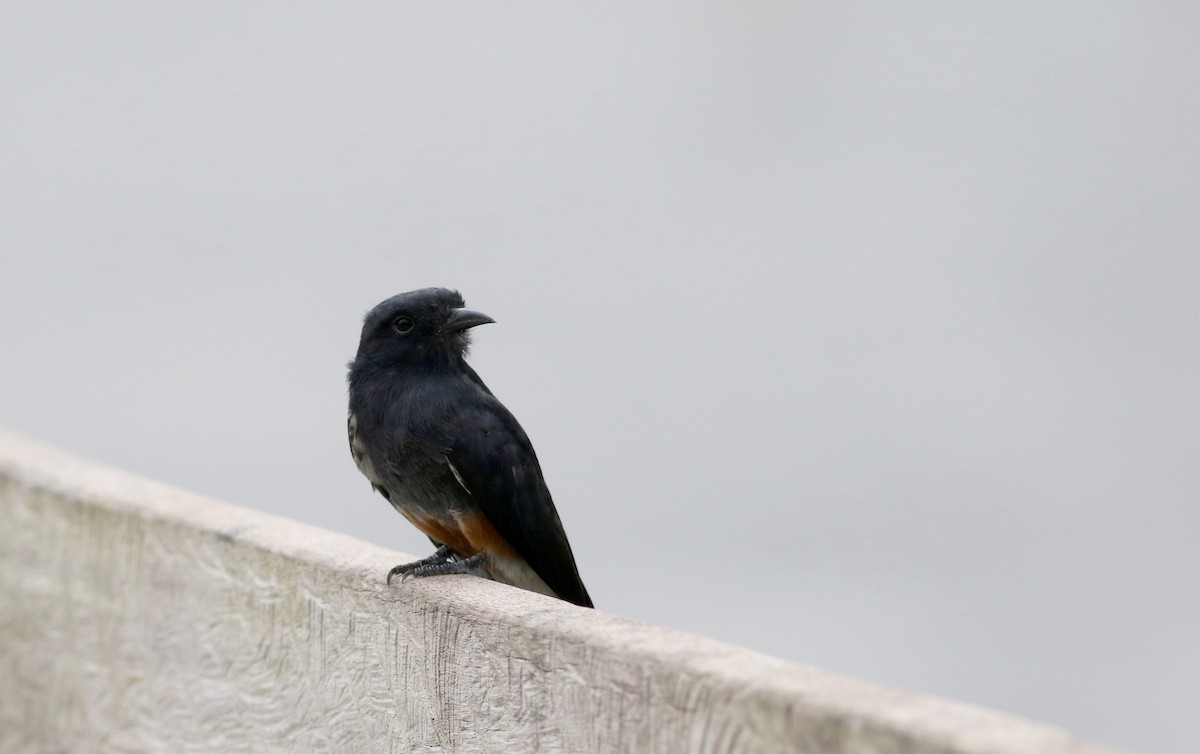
[(464, 319)]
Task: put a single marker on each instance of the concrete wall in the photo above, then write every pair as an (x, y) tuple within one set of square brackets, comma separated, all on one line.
[(135, 617)]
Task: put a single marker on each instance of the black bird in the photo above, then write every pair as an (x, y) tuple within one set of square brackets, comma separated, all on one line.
[(447, 455)]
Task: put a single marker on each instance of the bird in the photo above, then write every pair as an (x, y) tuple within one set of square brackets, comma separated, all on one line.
[(435, 442)]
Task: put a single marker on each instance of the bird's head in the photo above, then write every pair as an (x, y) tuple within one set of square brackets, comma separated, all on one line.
[(424, 328)]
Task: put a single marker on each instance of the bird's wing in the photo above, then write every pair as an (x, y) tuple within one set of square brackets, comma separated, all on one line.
[(495, 463)]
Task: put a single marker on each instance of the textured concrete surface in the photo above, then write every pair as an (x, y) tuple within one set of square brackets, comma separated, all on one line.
[(135, 617)]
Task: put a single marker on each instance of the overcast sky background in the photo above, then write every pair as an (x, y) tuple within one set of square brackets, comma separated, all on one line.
[(860, 335)]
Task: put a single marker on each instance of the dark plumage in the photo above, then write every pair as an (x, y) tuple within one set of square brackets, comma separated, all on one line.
[(447, 455)]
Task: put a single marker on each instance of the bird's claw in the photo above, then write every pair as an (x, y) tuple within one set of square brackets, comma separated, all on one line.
[(438, 566), (433, 564), (392, 573), (441, 555)]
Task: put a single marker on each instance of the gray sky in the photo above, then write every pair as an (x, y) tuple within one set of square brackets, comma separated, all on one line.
[(861, 335)]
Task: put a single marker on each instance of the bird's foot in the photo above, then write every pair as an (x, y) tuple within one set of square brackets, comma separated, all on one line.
[(442, 555), (443, 567)]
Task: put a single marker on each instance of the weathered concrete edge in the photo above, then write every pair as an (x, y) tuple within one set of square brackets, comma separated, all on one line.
[(901, 716)]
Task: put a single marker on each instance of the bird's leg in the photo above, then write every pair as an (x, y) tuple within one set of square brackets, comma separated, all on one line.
[(440, 555), (472, 565)]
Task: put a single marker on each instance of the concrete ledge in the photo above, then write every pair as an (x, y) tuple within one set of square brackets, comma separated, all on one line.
[(135, 617)]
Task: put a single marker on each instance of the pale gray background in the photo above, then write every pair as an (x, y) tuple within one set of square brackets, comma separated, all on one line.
[(859, 335)]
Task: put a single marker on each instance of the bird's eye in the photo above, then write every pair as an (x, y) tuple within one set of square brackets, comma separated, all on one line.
[(402, 324)]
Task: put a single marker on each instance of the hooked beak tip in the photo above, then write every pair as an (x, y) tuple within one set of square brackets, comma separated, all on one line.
[(464, 319)]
